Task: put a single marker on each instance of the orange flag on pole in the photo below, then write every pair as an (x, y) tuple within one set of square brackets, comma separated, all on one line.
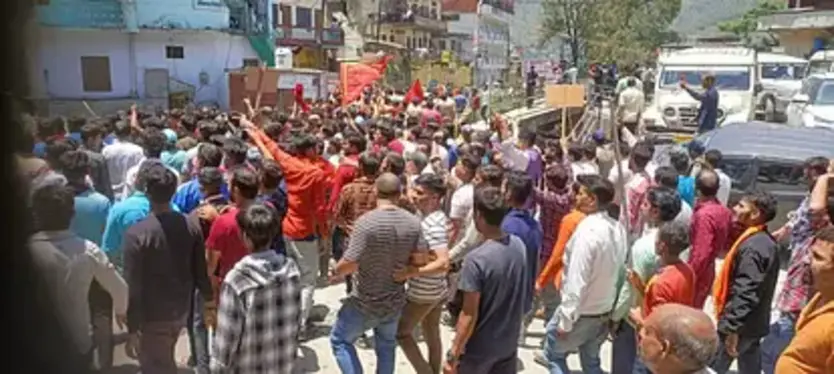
[(415, 91), (354, 77), (382, 64)]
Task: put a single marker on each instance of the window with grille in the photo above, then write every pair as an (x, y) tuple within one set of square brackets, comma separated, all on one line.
[(174, 52)]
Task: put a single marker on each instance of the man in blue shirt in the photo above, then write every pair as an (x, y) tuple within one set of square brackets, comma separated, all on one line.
[(708, 111), (518, 186), (91, 207), (189, 195)]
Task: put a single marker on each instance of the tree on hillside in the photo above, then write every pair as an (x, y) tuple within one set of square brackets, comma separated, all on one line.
[(746, 25), (622, 31)]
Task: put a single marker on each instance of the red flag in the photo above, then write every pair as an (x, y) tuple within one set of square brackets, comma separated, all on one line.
[(298, 94), (354, 77), (415, 91), (381, 64)]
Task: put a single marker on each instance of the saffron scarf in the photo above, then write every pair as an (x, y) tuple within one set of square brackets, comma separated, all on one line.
[(721, 288)]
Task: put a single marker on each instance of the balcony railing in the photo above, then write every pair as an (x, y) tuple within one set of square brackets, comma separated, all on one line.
[(419, 17), (289, 35)]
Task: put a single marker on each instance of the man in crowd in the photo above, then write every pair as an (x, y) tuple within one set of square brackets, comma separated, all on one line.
[(520, 222), (356, 198), (495, 287), (668, 177), (635, 189), (381, 243), (678, 339), (661, 206), (812, 349), (595, 253), (92, 135), (260, 302), (164, 259), (630, 106), (71, 264), (189, 195), (708, 111), (797, 289), (744, 288), (427, 287), (713, 159), (121, 156), (153, 142), (686, 183), (711, 225), (306, 190)]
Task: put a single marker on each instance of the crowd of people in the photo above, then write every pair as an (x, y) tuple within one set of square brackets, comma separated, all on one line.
[(223, 223)]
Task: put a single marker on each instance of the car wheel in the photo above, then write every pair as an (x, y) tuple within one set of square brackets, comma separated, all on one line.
[(770, 114)]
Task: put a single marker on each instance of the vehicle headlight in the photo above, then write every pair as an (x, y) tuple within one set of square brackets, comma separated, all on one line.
[(669, 112)]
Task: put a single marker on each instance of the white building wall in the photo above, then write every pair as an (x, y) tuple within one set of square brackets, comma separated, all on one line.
[(58, 64), (188, 14), (493, 40)]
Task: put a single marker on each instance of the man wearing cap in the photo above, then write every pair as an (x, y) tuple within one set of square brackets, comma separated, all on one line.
[(708, 111)]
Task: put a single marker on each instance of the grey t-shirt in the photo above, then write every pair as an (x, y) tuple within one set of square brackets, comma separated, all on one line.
[(497, 269), (382, 242)]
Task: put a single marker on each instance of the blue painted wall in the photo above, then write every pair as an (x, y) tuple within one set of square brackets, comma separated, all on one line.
[(153, 14), (81, 14), (182, 14)]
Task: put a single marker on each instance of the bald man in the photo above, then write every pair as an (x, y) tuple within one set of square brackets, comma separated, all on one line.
[(678, 339), (711, 225), (381, 243)]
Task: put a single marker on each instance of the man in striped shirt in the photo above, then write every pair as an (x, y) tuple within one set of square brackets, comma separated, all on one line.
[(427, 288)]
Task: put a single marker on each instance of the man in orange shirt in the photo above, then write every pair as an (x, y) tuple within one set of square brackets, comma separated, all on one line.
[(674, 282), (306, 190), (552, 271)]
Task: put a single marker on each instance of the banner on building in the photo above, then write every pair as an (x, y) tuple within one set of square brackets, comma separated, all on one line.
[(283, 58)]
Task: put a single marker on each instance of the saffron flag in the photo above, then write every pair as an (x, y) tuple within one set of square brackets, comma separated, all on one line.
[(354, 77), (382, 64), (414, 92)]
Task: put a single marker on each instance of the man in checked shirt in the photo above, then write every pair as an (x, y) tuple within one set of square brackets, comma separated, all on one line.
[(259, 315), (797, 290)]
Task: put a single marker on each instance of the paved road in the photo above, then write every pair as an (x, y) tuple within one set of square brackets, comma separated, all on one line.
[(316, 356)]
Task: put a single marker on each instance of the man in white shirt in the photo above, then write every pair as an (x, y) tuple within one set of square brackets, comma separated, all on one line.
[(630, 106), (594, 254), (121, 156), (713, 158), (70, 264)]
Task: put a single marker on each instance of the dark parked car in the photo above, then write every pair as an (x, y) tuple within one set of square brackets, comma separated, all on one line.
[(766, 156)]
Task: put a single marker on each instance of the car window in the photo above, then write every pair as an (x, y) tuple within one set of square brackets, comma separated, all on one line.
[(825, 93), (819, 67), (740, 170)]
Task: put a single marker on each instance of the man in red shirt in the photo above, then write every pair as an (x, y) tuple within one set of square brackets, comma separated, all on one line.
[(225, 245), (346, 171), (711, 226), (306, 194), (674, 283)]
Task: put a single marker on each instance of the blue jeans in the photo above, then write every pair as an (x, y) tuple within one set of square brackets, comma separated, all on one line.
[(350, 324), (624, 350), (781, 333), (198, 336), (586, 337)]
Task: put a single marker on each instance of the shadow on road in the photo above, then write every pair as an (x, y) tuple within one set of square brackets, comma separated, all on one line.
[(308, 361)]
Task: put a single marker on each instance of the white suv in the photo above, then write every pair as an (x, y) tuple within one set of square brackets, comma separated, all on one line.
[(813, 105)]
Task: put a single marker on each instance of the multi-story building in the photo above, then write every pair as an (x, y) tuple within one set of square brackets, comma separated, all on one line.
[(486, 25), (803, 27), (415, 24), (110, 53)]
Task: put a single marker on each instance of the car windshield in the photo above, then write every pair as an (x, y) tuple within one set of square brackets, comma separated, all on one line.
[(825, 95), (819, 67), (783, 71), (725, 79)]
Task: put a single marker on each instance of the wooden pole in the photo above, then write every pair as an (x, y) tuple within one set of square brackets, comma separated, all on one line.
[(564, 122)]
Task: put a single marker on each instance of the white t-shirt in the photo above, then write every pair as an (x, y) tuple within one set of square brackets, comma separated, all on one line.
[(725, 184), (462, 201)]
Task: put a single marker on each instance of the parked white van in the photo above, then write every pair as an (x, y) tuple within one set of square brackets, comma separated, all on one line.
[(781, 77)]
